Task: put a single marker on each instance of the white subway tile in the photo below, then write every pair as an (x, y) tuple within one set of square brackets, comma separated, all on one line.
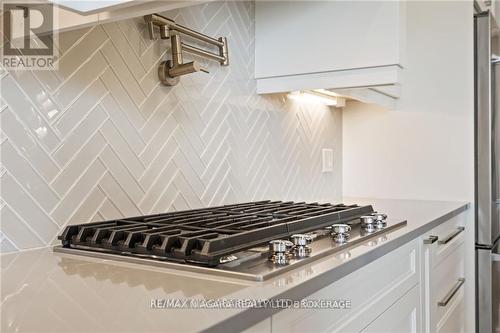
[(81, 52), (19, 200), (117, 195), (122, 72), (25, 175), (27, 144), (6, 245), (78, 193), (163, 178), (155, 120), (122, 149), (69, 38), (186, 169), (83, 105), (74, 142), (83, 77), (121, 173), (26, 111), (89, 207), (165, 153), (122, 98), (125, 49), (78, 164), (19, 235), (37, 93), (123, 124), (167, 129), (109, 211)]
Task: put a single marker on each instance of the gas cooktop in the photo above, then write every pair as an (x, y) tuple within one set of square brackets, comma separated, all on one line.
[(253, 240)]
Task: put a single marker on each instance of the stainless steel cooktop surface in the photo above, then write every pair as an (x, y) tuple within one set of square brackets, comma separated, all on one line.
[(252, 241)]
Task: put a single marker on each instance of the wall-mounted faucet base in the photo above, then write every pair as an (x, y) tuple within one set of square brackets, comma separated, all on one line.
[(163, 73)]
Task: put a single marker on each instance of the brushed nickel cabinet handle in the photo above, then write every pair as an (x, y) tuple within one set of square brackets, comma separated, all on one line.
[(430, 239), (451, 236), (452, 292)]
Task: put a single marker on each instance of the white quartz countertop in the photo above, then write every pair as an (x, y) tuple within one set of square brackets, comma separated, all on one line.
[(55, 292)]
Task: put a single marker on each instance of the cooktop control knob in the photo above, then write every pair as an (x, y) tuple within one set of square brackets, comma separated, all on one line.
[(340, 233), (279, 251), (301, 242), (381, 220), (368, 223)]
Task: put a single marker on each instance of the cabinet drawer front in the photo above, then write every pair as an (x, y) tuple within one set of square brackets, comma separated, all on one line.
[(453, 320), (445, 286), (449, 237), (402, 316), (371, 290)]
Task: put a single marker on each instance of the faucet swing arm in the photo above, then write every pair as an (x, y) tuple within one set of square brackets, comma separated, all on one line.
[(169, 71)]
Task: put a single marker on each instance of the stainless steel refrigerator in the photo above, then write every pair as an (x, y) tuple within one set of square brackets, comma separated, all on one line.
[(487, 154)]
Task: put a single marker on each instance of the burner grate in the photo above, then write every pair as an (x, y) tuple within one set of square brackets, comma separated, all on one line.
[(203, 236)]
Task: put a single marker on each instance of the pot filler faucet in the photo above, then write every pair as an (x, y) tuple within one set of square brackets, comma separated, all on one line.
[(169, 71)]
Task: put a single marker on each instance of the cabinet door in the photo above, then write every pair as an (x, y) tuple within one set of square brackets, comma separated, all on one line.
[(443, 268), (453, 320), (402, 316), (301, 37)]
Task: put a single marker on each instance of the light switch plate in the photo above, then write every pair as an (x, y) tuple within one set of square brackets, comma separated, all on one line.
[(327, 158)]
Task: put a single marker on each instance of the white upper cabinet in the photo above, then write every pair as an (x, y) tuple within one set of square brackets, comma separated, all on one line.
[(71, 15), (90, 7), (329, 44)]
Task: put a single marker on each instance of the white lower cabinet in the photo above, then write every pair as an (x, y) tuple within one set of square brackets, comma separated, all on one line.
[(372, 291), (418, 287), (402, 316), (443, 276)]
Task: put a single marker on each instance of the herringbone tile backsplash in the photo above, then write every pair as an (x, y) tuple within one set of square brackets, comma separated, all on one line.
[(100, 138)]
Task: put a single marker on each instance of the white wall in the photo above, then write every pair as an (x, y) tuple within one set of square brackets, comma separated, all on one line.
[(425, 148), (100, 138)]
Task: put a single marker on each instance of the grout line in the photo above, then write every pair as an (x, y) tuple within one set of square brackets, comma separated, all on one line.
[(108, 198), (170, 160), (122, 137), (121, 187), (171, 182), (91, 136), (120, 109), (80, 95), (58, 88), (72, 131), (33, 168), (110, 146), (4, 236), (82, 202), (125, 63), (65, 195), (23, 220), (157, 108), (118, 104), (155, 134)]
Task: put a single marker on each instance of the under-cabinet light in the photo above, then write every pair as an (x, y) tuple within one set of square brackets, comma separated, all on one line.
[(316, 96)]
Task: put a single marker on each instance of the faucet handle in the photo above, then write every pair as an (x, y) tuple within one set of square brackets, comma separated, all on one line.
[(188, 68), (196, 67), (169, 73)]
